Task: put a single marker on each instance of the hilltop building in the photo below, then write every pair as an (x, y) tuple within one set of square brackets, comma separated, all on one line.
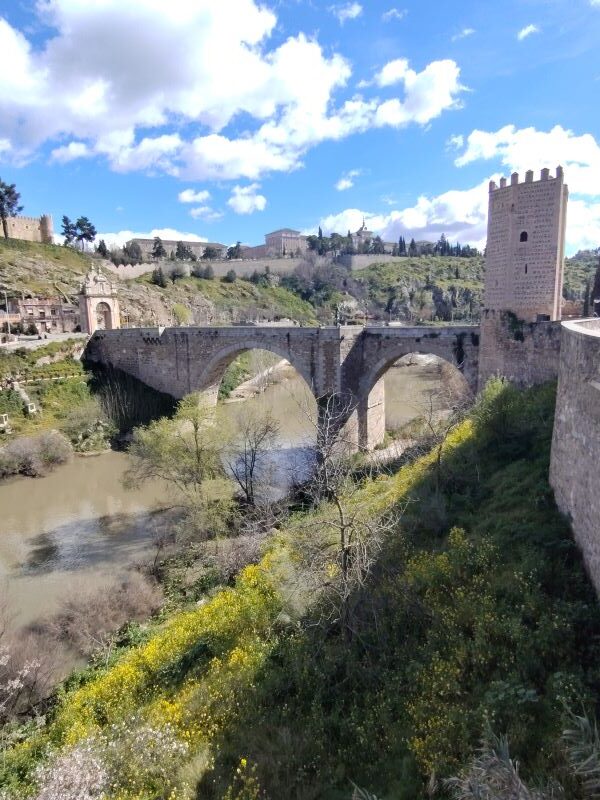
[(31, 229), (361, 237), (279, 243)]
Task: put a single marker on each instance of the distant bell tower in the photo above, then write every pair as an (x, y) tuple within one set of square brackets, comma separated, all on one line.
[(526, 246)]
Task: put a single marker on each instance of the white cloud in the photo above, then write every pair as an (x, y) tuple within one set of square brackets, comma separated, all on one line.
[(427, 94), (161, 90), (190, 196), (346, 11), (118, 239), (347, 180), (246, 200), (397, 13), (393, 72), (461, 215), (520, 149), (70, 152), (463, 34), (207, 213), (527, 31)]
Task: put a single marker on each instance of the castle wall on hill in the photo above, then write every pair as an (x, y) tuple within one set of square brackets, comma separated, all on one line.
[(243, 268), (576, 441), (31, 229)]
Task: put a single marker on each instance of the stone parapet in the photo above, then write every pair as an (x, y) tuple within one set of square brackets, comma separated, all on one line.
[(574, 467)]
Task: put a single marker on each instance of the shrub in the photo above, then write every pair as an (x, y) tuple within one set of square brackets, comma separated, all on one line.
[(88, 618), (159, 278), (230, 277), (34, 456)]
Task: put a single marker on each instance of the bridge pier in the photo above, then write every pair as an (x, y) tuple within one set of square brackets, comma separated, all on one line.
[(371, 418)]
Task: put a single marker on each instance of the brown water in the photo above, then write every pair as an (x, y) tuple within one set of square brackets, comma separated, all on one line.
[(79, 526)]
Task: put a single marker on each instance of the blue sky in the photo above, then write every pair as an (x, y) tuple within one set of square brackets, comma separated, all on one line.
[(227, 120)]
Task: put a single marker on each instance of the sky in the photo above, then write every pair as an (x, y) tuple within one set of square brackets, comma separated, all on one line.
[(222, 121)]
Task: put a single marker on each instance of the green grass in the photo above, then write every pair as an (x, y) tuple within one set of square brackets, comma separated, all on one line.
[(40, 269)]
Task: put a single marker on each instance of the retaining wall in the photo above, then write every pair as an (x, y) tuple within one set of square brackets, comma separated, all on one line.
[(575, 461)]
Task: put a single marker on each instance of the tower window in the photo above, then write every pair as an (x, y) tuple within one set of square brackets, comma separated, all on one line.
[(525, 269), (523, 237)]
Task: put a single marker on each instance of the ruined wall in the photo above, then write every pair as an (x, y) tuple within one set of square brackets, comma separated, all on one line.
[(31, 229), (574, 474), (524, 352)]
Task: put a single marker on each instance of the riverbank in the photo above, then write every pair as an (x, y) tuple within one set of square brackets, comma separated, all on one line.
[(476, 608)]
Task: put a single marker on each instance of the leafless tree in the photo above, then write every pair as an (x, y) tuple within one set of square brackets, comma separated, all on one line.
[(341, 540), (247, 459)]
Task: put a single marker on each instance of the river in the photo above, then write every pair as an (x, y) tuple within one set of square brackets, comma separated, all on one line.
[(79, 526)]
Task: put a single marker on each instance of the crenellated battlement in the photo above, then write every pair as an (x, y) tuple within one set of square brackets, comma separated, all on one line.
[(31, 229), (529, 178)]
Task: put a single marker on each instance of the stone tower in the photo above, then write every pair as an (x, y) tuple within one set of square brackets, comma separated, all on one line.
[(46, 229), (525, 246), (98, 303)]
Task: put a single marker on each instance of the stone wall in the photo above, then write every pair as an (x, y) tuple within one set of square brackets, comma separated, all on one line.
[(362, 261), (524, 352), (31, 229), (574, 473), (242, 268)]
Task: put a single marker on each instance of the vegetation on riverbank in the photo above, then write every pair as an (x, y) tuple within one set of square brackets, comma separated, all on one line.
[(476, 611)]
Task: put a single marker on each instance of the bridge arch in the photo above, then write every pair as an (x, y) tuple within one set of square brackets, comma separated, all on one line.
[(211, 375), (371, 408)]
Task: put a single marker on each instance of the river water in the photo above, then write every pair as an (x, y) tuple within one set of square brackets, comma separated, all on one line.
[(78, 526)]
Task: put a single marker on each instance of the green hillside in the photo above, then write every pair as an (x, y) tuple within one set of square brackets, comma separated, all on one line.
[(45, 270)]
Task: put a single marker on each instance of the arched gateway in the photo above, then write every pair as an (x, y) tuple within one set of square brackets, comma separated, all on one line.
[(348, 362)]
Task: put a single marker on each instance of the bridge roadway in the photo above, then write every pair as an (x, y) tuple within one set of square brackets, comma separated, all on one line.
[(346, 361)]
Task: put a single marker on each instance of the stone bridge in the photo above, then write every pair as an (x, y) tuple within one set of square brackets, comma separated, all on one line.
[(348, 361)]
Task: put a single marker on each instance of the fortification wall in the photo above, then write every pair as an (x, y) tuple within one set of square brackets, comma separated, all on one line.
[(31, 229), (526, 353), (362, 261), (242, 268), (574, 472)]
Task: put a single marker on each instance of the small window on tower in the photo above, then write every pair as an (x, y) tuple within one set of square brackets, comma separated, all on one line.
[(525, 269), (523, 237)]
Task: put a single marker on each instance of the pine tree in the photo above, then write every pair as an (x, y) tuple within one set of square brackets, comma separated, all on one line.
[(158, 250), (68, 230), (85, 231), (102, 249)]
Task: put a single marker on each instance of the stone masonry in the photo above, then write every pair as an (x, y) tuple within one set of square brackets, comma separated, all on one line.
[(32, 229), (346, 361), (574, 472), (526, 246), (520, 332)]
